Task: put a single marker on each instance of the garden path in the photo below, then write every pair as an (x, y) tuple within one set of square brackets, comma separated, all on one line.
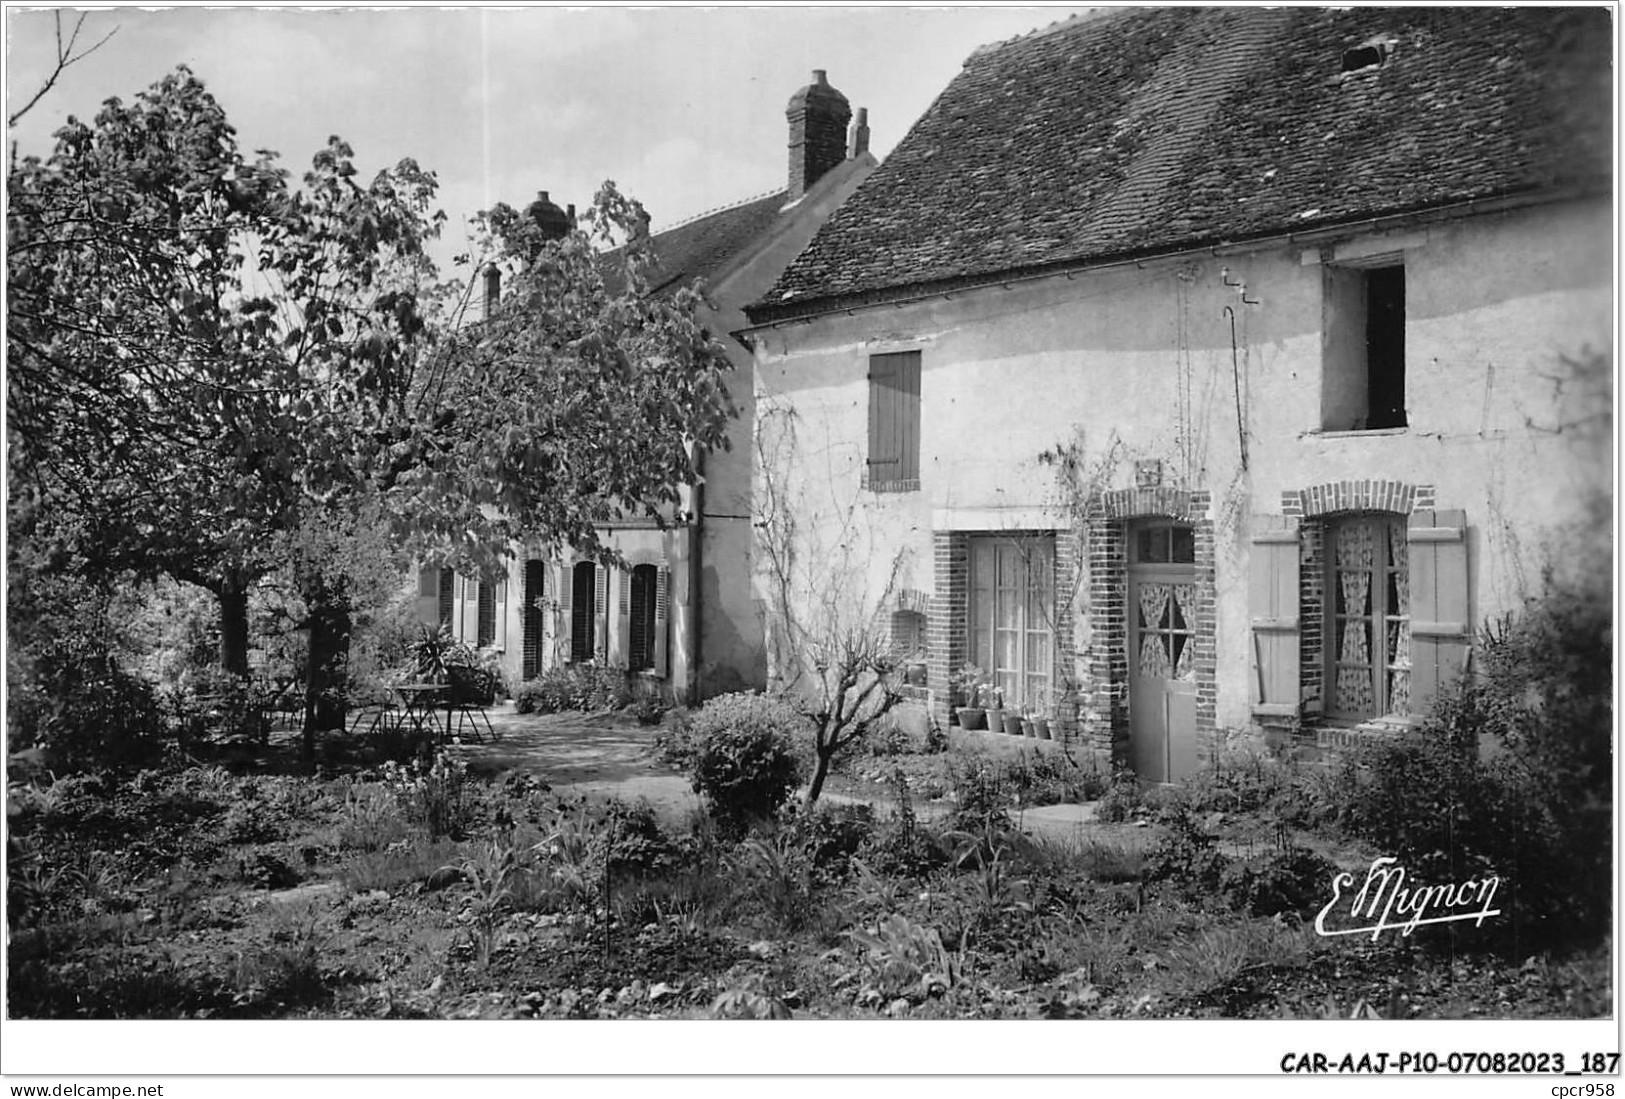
[(611, 755)]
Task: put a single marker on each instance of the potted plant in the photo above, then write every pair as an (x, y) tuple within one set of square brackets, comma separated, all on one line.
[(995, 710), (1038, 719), (970, 684)]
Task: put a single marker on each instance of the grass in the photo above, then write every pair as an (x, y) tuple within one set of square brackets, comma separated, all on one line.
[(129, 899)]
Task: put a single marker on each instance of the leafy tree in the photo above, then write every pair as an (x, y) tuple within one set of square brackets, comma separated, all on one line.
[(212, 373)]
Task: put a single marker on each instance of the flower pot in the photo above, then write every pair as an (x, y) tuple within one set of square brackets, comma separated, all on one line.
[(915, 676), (1012, 723), (995, 720), (1041, 728), (1027, 729), (971, 717)]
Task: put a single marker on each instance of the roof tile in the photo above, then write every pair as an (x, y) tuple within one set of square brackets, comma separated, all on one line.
[(1157, 129)]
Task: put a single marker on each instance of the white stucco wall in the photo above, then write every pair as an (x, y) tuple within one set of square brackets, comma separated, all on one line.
[(1142, 354)]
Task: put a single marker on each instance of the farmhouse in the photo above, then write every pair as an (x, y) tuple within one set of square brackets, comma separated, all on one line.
[(1201, 370), (682, 613)]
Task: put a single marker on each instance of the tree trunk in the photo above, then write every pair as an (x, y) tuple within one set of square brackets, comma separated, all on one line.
[(234, 628), (329, 654), (820, 773)]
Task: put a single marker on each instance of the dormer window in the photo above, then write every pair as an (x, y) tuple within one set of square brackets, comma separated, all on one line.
[(1370, 54)]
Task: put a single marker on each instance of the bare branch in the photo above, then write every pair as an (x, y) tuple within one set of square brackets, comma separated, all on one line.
[(65, 56)]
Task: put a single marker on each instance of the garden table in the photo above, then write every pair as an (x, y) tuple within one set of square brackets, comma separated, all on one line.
[(419, 704)]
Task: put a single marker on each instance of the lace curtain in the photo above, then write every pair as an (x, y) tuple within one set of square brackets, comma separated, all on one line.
[(1354, 552), (1399, 626), (1154, 656)]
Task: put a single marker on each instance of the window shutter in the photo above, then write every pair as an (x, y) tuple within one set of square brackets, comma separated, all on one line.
[(600, 604), (445, 599), (530, 617), (908, 417), (623, 616), (564, 628), (499, 633), (885, 447), (485, 592), (428, 601), (1440, 633), (1273, 602), (662, 588)]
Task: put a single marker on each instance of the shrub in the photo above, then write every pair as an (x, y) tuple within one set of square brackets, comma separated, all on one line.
[(588, 687), (744, 761), (1291, 881), (982, 792), (1122, 799), (1512, 775)]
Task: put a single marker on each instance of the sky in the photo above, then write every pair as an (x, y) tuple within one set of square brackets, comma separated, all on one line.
[(683, 107)]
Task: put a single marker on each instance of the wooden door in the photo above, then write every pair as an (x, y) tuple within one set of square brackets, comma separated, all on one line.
[(1162, 654)]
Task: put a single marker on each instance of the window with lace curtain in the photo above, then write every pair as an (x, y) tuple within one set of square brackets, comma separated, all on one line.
[(1368, 657)]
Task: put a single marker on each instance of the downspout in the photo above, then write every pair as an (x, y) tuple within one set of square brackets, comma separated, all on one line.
[(696, 541)]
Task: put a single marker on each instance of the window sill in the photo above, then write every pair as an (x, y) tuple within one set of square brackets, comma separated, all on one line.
[(1360, 433), (911, 485)]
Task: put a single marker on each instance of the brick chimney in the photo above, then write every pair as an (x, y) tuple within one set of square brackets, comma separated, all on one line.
[(493, 289), (818, 117), (860, 135)]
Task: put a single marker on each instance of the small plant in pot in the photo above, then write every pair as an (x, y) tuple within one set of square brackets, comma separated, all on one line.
[(970, 685), (996, 721), (1038, 718)]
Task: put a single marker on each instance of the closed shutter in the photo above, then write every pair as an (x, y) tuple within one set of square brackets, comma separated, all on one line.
[(486, 611), (884, 446), (623, 617), (908, 416), (662, 622), (600, 606), (1440, 633), (499, 633), (894, 419), (428, 600), (564, 620), (583, 604), (530, 656), (446, 598), (1273, 605)]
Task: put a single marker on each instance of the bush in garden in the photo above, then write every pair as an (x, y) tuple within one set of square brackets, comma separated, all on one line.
[(744, 760), (1291, 881), (1512, 775), (1121, 800)]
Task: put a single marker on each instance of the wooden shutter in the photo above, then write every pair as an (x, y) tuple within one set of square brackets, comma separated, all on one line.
[(600, 608), (1273, 603), (908, 416), (530, 656), (446, 598), (662, 622), (485, 593), (884, 452), (499, 631), (428, 600), (1440, 620), (623, 617), (894, 418), (564, 622)]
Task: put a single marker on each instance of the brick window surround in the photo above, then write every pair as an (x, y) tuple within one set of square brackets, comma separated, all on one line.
[(1312, 506), (1103, 695), (948, 613)]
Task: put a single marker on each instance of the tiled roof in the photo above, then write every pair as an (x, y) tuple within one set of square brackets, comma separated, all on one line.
[(1154, 129), (704, 246)]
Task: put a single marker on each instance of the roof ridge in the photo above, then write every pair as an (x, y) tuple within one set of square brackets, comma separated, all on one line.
[(1071, 22), (714, 211)]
